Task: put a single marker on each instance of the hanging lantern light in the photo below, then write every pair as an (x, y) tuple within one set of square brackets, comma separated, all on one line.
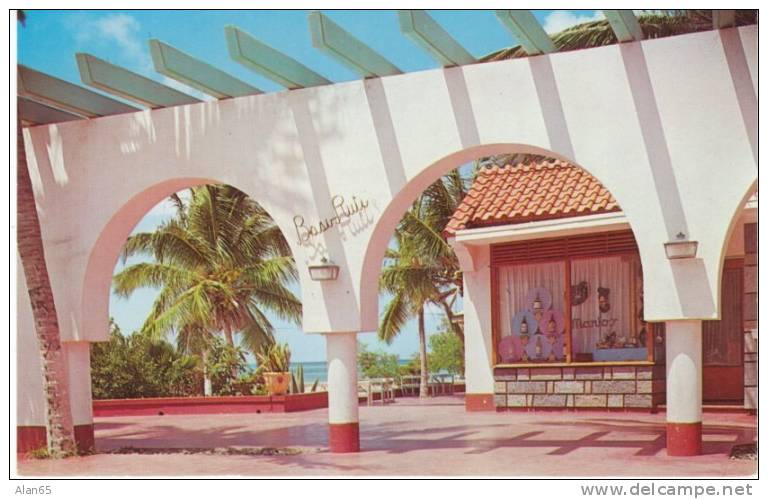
[(325, 271)]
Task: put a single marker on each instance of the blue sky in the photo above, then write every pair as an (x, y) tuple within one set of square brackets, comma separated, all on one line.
[(51, 38)]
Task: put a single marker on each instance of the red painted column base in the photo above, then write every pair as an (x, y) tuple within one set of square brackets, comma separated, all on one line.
[(29, 438), (84, 439), (684, 439), (475, 402), (344, 437)]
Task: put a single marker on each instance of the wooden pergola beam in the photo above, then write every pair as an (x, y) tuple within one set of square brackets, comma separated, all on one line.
[(723, 18), (55, 93), (334, 41), (625, 25), (127, 84), (184, 68), (430, 36), (268, 62), (34, 113), (526, 28)]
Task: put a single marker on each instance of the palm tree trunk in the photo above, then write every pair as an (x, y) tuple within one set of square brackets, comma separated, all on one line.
[(31, 252), (423, 385), (231, 342), (228, 335), (456, 328), (207, 383)]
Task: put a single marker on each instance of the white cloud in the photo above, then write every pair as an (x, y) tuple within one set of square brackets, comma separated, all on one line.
[(123, 33), (561, 19)]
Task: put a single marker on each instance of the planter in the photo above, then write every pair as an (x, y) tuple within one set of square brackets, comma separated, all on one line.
[(277, 383)]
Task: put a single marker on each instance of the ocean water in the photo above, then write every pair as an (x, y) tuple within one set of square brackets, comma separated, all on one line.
[(318, 370)]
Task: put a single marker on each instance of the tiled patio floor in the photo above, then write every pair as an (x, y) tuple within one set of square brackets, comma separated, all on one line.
[(412, 437)]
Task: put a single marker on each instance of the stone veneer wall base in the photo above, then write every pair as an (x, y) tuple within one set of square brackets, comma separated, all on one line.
[(584, 387)]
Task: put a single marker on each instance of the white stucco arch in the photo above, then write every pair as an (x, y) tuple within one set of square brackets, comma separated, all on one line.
[(389, 218), (667, 125), (104, 254), (737, 218), (664, 124)]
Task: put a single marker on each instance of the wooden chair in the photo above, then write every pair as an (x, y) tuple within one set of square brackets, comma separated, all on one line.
[(409, 385), (364, 388), (384, 386), (441, 383)]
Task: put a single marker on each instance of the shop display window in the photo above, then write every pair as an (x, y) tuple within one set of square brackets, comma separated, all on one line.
[(605, 313), (532, 320), (573, 308)]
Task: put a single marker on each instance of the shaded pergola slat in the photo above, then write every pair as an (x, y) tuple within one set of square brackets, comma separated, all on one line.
[(526, 28), (333, 40), (35, 113), (127, 84), (723, 18), (430, 36), (174, 63), (59, 94), (624, 25), (268, 62)]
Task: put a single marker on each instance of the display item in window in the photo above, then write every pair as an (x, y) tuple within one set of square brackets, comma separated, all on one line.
[(539, 349), (579, 293), (552, 340), (524, 340), (537, 308), (603, 299)]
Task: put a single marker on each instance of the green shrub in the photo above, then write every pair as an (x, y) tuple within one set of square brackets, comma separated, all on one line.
[(228, 369), (135, 366), (412, 368), (446, 353), (377, 364)]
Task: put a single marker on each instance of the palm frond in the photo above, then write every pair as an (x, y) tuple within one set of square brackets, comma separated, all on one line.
[(396, 314), (258, 332), (151, 275)]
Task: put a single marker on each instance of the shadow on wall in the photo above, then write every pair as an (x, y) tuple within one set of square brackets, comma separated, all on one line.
[(745, 91), (311, 133), (656, 148)]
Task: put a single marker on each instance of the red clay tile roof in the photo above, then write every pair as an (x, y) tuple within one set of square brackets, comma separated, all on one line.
[(530, 192)]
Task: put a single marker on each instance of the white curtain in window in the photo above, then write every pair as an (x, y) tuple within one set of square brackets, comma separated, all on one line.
[(518, 285), (607, 308)]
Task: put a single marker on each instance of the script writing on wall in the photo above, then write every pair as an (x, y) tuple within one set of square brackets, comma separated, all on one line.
[(343, 211)]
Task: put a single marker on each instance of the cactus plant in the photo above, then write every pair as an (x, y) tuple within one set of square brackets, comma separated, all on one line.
[(297, 380)]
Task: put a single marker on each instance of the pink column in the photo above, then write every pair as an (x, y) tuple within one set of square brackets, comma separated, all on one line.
[(684, 387), (341, 353)]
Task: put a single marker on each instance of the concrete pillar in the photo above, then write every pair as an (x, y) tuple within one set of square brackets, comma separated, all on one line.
[(78, 355), (341, 354), (478, 344), (684, 390)]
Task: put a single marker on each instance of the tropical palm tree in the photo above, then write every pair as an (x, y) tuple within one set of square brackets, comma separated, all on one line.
[(221, 264), (422, 268), (32, 255)]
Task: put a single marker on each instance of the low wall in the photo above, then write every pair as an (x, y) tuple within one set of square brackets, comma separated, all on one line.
[(210, 405), (588, 387)]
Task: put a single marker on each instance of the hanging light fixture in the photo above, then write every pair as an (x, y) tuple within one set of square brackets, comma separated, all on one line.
[(325, 271), (681, 247)]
